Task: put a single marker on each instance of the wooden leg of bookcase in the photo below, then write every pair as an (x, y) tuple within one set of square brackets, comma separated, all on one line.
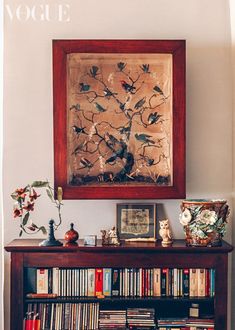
[(221, 288), (17, 281)]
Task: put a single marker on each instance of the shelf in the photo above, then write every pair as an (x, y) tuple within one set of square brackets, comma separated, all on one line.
[(179, 246), (118, 299)]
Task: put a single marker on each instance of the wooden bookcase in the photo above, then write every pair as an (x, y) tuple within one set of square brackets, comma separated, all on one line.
[(27, 253)]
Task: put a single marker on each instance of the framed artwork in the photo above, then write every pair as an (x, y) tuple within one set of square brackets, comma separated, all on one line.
[(119, 118), (136, 221)]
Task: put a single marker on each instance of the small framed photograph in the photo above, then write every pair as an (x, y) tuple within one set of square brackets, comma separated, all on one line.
[(136, 222)]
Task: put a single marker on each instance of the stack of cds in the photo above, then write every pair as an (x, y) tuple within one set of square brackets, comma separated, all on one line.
[(112, 319), (141, 318)]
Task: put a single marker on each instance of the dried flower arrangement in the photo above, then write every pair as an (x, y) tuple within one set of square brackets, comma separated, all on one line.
[(24, 203)]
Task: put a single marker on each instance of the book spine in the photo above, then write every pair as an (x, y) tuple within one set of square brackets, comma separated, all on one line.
[(201, 282), (91, 282), (193, 282), (42, 280), (186, 282), (116, 282), (163, 281), (98, 281), (107, 281), (157, 282)]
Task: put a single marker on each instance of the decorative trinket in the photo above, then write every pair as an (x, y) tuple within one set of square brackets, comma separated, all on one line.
[(110, 237), (51, 241), (165, 233), (71, 236)]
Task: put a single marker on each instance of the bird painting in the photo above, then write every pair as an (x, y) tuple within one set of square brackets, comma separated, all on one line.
[(140, 103), (75, 107), (94, 70), (85, 163), (99, 107), (158, 90), (121, 66), (144, 138), (84, 87), (78, 130), (153, 118), (145, 68), (127, 87)]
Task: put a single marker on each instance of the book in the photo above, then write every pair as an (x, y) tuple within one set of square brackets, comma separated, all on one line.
[(157, 282), (201, 273), (193, 282), (91, 282), (164, 272), (107, 281), (186, 282), (98, 281), (42, 280), (116, 282)]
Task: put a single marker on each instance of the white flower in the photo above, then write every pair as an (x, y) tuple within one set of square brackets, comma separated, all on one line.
[(185, 217), (207, 217)]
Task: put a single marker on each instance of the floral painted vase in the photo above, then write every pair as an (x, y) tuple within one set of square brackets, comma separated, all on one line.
[(204, 221)]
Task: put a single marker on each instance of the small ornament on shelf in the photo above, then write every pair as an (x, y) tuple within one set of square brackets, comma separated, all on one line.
[(90, 240), (71, 236), (51, 241), (110, 237), (165, 233)]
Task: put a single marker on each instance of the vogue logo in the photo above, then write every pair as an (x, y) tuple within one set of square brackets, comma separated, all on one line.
[(39, 12)]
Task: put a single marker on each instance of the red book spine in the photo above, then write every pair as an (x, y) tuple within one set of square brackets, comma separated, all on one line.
[(143, 282), (32, 325), (98, 281)]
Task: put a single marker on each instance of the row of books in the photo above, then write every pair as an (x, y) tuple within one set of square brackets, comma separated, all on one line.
[(125, 282), (88, 316), (67, 316), (186, 324)]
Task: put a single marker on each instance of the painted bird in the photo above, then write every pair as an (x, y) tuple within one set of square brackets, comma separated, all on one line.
[(149, 161), (144, 138), (112, 138), (158, 90), (140, 103), (75, 107), (94, 70), (121, 66), (153, 118), (85, 163), (111, 159), (108, 93), (84, 87), (78, 130), (125, 130), (99, 107), (127, 87), (145, 68)]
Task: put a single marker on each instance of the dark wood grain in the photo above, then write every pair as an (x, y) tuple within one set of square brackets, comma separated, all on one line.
[(61, 48), (27, 253)]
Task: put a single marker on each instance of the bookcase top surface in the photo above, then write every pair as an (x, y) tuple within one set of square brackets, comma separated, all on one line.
[(179, 246)]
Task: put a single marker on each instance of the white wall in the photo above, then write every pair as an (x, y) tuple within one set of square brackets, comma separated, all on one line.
[(28, 115)]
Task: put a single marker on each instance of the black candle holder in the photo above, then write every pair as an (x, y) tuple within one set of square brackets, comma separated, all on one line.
[(51, 241)]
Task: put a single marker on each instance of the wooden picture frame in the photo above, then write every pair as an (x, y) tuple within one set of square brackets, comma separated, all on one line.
[(119, 118), (136, 221)]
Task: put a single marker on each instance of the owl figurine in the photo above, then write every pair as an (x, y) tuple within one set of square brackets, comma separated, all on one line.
[(165, 232)]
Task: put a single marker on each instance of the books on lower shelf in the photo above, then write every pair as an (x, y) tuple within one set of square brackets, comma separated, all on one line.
[(120, 282), (185, 324), (65, 316), (89, 316)]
